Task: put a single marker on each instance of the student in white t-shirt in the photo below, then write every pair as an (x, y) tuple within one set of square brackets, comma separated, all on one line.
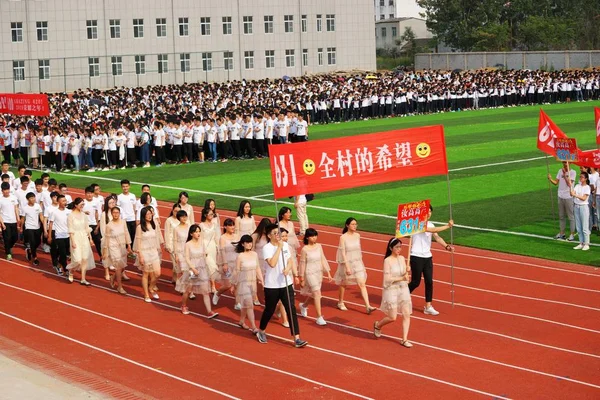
[(126, 201), (581, 192), (9, 219), (565, 179), (301, 129), (58, 239), (421, 260), (32, 224)]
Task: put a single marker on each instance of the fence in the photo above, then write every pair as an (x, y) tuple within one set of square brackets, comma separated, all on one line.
[(548, 60)]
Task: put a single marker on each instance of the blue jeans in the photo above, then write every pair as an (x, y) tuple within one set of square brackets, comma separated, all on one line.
[(89, 159), (593, 211), (582, 218), (145, 153), (76, 159), (213, 150)]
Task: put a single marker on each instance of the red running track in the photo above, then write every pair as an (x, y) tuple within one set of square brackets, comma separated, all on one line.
[(521, 328)]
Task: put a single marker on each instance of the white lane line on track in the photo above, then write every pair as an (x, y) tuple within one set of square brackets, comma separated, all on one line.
[(117, 356), (341, 354)]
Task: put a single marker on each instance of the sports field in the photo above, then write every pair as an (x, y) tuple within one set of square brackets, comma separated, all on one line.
[(500, 195)]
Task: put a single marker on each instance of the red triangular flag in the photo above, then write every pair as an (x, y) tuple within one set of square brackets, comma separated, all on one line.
[(597, 114), (547, 132)]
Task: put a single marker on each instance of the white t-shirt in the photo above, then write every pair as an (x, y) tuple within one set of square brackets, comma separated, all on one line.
[(7, 209), (32, 215), (581, 191), (274, 278), (421, 243), (564, 192), (127, 205), (60, 225), (301, 128), (20, 195), (90, 208)]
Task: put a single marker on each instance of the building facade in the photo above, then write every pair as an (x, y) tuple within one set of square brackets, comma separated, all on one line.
[(389, 9), (63, 45), (388, 31)]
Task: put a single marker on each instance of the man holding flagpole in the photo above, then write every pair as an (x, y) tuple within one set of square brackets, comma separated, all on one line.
[(564, 180)]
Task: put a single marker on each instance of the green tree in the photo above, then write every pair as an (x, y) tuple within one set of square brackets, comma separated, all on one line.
[(408, 41)]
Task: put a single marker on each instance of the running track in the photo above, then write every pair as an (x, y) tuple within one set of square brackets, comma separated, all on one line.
[(521, 328)]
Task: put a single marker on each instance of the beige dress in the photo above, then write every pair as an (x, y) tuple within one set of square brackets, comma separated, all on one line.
[(80, 229), (148, 245), (179, 238), (258, 247), (396, 296), (247, 226), (227, 256), (350, 246), (115, 240), (106, 261), (245, 283), (190, 213), (292, 241), (314, 264), (170, 225), (199, 284), (210, 238)]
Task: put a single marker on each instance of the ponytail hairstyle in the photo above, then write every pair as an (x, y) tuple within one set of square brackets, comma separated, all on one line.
[(393, 242), (239, 246), (207, 205), (586, 176), (75, 203), (348, 222), (193, 229)]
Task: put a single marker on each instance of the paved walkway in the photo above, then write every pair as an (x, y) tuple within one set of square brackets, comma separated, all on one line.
[(18, 381)]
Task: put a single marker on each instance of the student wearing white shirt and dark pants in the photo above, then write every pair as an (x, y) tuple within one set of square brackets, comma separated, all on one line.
[(279, 284), (31, 222), (421, 260), (9, 217), (59, 235), (126, 202)]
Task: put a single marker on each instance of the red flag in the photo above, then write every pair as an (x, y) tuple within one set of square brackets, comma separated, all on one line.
[(589, 158), (547, 132), (348, 162), (24, 104), (597, 114)]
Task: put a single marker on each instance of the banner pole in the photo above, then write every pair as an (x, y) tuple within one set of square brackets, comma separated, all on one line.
[(287, 294), (451, 242), (550, 190)]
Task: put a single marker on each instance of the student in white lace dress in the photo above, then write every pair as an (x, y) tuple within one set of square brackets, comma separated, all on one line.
[(247, 273), (110, 202), (351, 269), (259, 240), (285, 222), (312, 266), (396, 295), (180, 234), (210, 235), (116, 245), (244, 222), (185, 206), (148, 251), (80, 235), (227, 260), (194, 276), (170, 224), (210, 204)]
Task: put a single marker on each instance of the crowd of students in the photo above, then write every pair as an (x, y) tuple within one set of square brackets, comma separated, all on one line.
[(130, 127), (208, 257)]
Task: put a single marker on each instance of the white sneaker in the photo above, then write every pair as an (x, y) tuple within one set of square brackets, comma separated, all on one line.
[(215, 299), (321, 321), (46, 248), (91, 170), (430, 311), (286, 324), (571, 238), (105, 169), (586, 247), (303, 310), (578, 247), (237, 307)]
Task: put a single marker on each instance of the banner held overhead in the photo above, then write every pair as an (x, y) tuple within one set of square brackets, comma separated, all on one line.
[(24, 104)]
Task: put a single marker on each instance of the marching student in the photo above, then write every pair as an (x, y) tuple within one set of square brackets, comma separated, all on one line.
[(148, 251), (396, 295), (105, 217), (227, 257), (9, 219), (244, 222), (93, 212), (247, 273), (126, 201), (180, 234), (312, 266), (259, 239), (170, 224), (185, 206), (279, 284), (351, 269), (209, 204), (116, 245), (210, 235), (32, 224), (80, 239)]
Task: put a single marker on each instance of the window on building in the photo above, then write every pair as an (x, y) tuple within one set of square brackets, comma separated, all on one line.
[(247, 25), (381, 3), (319, 22), (320, 56), (270, 58), (305, 57), (184, 59), (268, 24), (92, 29), (44, 69), (331, 55), (227, 26), (163, 63), (138, 28), (290, 58), (394, 31), (330, 18), (304, 23), (249, 59), (184, 26), (94, 66), (382, 16), (16, 31), (18, 71), (140, 65), (115, 28), (205, 26), (42, 31), (392, 16), (391, 3), (116, 63), (288, 23), (206, 61), (383, 32), (228, 60), (161, 27)]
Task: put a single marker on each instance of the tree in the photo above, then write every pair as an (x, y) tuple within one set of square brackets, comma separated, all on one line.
[(408, 41)]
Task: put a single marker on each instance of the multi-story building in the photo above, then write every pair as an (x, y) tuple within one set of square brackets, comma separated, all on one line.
[(62, 45), (388, 9)]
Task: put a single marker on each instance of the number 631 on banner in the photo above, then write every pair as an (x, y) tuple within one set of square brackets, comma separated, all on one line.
[(412, 218)]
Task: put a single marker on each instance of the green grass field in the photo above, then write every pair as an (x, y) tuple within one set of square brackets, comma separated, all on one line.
[(511, 198)]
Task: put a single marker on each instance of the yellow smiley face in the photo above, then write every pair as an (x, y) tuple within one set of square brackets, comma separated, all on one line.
[(308, 166), (423, 150)]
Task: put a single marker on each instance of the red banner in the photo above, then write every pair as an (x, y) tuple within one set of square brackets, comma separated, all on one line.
[(412, 218), (590, 158), (597, 115), (566, 149), (547, 132), (353, 161), (24, 104)]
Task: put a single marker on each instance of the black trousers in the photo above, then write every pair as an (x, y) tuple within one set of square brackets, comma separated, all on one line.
[(187, 151), (159, 153), (274, 296), (32, 239), (177, 152), (96, 238), (10, 236), (59, 249), (131, 228), (422, 266)]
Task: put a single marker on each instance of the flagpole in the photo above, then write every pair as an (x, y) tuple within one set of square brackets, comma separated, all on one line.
[(550, 190), (451, 242)]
